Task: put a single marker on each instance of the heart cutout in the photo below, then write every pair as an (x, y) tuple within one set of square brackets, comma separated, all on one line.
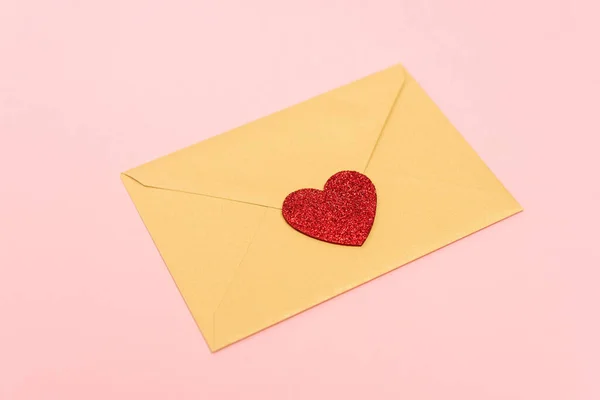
[(342, 213)]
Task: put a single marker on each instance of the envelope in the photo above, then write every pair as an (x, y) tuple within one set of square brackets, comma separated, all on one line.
[(214, 209)]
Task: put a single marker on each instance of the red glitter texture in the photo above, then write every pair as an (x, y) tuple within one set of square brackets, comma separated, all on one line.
[(343, 212)]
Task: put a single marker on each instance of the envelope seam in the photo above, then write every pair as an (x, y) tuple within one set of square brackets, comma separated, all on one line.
[(235, 272), (451, 184), (387, 118), (200, 194)]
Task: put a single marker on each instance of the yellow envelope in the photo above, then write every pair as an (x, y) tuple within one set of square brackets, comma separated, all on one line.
[(214, 209)]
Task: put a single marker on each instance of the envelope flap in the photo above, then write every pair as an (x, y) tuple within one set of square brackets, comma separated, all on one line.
[(301, 146), (202, 241)]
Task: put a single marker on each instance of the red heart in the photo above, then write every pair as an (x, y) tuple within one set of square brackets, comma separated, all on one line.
[(343, 212)]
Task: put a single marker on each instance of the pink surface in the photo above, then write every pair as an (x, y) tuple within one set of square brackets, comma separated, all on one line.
[(89, 89)]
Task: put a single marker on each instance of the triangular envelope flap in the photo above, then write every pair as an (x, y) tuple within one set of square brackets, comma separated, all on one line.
[(202, 241), (301, 146)]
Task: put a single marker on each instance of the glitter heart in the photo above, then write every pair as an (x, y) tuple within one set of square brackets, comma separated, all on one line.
[(343, 212)]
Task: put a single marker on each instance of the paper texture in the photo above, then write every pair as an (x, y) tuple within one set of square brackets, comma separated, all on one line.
[(214, 209)]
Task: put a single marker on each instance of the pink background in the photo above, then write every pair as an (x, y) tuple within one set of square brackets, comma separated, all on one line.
[(91, 88)]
